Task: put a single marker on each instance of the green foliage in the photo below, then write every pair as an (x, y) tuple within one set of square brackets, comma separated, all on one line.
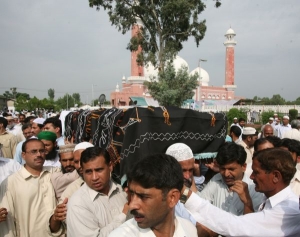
[(266, 115), (21, 103), (238, 113), (173, 87), (166, 25), (51, 94), (293, 113)]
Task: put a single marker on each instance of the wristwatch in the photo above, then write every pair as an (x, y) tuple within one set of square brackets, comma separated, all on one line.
[(184, 196)]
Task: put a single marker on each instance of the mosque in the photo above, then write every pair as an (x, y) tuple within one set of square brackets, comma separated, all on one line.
[(133, 88)]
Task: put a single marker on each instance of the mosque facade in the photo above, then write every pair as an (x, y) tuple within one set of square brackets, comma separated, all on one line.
[(134, 86)]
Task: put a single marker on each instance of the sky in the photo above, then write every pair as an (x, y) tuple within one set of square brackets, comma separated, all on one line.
[(68, 46)]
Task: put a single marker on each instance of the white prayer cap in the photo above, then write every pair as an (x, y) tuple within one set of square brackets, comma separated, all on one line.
[(286, 117), (39, 121), (249, 131), (271, 118), (235, 118), (180, 152), (83, 146)]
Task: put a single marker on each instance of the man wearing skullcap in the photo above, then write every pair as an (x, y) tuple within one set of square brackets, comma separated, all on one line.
[(37, 126), (74, 186), (284, 127), (49, 140), (184, 155), (68, 174)]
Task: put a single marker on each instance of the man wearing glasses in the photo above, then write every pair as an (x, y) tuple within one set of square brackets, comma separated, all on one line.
[(29, 197)]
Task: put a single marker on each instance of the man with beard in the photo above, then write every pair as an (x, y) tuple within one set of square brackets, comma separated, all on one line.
[(68, 174), (154, 184), (74, 186), (49, 140), (99, 205), (231, 189), (28, 196)]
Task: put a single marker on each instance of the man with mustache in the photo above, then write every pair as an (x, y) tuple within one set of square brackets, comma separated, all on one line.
[(29, 197), (68, 174), (49, 140), (99, 205), (278, 214), (154, 184), (231, 189), (75, 185)]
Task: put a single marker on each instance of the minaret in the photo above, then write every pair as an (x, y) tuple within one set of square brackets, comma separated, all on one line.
[(229, 63), (135, 69)]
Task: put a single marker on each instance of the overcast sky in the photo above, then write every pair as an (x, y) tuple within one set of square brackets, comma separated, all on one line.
[(68, 46)]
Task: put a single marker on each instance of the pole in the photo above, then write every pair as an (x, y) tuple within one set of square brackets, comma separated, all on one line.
[(199, 87), (93, 95)]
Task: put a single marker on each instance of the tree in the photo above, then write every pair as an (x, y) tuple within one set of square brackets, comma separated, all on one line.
[(76, 98), (277, 100), (166, 24), (236, 113), (21, 103), (25, 95), (51, 94), (173, 87)]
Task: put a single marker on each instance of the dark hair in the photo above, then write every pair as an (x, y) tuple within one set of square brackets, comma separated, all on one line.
[(259, 142), (291, 144), (55, 122), (276, 141), (277, 159), (25, 126), (24, 145), (231, 152), (159, 171), (91, 153), (22, 115), (3, 121), (242, 119), (237, 131), (27, 120)]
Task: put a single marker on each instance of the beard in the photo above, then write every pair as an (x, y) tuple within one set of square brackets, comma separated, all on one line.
[(51, 155), (187, 182)]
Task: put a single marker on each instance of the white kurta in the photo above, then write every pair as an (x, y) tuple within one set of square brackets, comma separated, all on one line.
[(183, 228), (280, 217)]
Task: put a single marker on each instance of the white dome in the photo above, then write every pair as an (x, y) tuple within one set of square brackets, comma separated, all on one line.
[(230, 32), (150, 71), (204, 75)]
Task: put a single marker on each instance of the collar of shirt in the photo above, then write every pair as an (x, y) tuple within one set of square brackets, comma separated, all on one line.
[(296, 176), (5, 132), (279, 197), (94, 194), (25, 174)]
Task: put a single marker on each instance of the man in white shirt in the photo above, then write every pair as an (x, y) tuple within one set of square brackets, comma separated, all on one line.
[(231, 189), (249, 136), (294, 133), (99, 205), (279, 215), (284, 127), (154, 184)]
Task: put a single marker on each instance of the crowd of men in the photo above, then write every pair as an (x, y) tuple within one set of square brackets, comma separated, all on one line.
[(49, 187)]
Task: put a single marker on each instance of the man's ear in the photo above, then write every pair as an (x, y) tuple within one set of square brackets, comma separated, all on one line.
[(173, 197), (277, 177)]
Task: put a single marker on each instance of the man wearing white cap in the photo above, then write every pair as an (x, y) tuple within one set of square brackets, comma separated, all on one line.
[(185, 157), (75, 185), (235, 122), (249, 136), (284, 127), (37, 126)]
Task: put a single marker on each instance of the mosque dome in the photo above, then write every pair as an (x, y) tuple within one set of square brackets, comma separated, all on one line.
[(230, 32), (204, 75), (178, 62)]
